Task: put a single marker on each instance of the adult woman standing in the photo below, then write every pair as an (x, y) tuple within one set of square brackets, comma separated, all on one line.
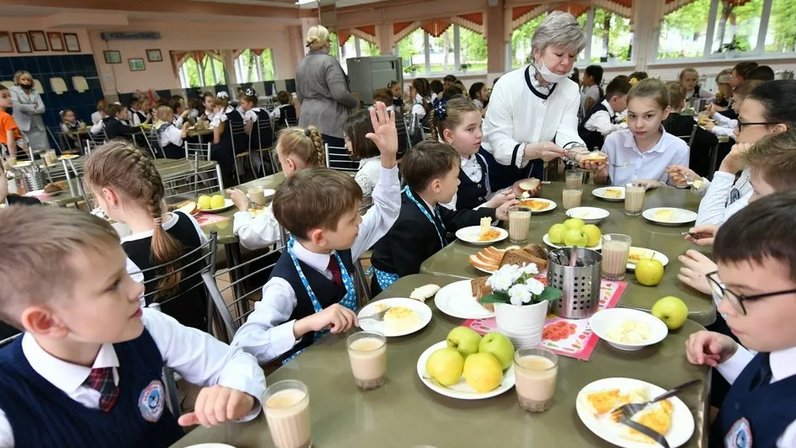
[(533, 111), (28, 110), (322, 88)]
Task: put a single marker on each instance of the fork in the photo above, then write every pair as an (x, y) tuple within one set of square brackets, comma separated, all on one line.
[(630, 409), (378, 317), (646, 430)]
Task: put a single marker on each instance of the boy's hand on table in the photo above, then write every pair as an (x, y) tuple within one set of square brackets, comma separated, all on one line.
[(336, 317), (217, 404), (709, 348)]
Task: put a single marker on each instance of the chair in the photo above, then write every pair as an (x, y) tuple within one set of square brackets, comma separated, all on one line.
[(237, 130), (689, 138), (261, 139), (10, 339), (91, 145), (337, 158), (189, 186), (200, 151), (98, 139), (291, 122), (404, 141), (153, 142)]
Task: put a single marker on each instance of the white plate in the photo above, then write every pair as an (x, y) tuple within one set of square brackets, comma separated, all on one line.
[(470, 235), (227, 205), (36, 193), (68, 157), (392, 329), (647, 253), (456, 300), (678, 216), (550, 204), (460, 390), (600, 193), (682, 420), (590, 215), (484, 270), (546, 240), (602, 322), (210, 445)]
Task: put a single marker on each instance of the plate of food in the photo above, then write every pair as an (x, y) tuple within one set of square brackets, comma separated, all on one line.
[(402, 316), (490, 259), (458, 299), (482, 234), (546, 240), (628, 329), (668, 216), (614, 194), (590, 215), (642, 253), (460, 389), (670, 417), (188, 207), (213, 204), (538, 205), (69, 156)]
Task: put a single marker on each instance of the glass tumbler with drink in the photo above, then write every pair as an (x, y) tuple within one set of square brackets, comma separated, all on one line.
[(634, 198), (573, 179), (257, 195), (535, 373), (367, 351), (519, 223), (287, 411), (616, 248), (571, 197)]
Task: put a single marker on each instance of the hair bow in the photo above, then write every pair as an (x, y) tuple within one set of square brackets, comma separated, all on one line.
[(222, 94), (250, 92), (441, 110)]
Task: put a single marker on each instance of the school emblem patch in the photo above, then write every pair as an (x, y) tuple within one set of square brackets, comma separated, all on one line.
[(739, 435), (151, 401)]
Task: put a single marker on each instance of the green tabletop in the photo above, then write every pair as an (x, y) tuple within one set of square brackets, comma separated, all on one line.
[(405, 413), (452, 260)]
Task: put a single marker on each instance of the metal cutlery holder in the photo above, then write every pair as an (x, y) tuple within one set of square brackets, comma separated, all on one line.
[(32, 177), (580, 285)]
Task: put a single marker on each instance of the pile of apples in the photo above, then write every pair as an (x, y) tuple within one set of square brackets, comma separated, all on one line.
[(480, 360), (206, 202), (574, 232)]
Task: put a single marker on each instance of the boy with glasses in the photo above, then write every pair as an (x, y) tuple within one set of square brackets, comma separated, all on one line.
[(756, 279)]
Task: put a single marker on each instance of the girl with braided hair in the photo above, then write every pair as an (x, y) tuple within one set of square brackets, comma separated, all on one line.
[(128, 188), (297, 149)]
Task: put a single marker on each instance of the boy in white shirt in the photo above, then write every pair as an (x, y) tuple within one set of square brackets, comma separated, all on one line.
[(603, 119)]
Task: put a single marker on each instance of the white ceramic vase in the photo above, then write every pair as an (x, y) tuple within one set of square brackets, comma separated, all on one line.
[(522, 324)]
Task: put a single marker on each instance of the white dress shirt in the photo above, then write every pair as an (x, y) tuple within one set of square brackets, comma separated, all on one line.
[(171, 134), (268, 333), (367, 176), (517, 116), (195, 355), (715, 207), (629, 163), (220, 117), (417, 107), (593, 92), (256, 232), (783, 365), (603, 121), (251, 114)]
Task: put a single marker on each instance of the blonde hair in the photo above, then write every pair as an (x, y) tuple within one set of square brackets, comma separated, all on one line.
[(317, 37), (122, 166), (304, 144), (19, 74), (449, 114), (36, 270), (165, 113)]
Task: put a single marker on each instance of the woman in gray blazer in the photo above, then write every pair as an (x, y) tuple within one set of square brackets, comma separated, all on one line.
[(322, 88), (28, 110)]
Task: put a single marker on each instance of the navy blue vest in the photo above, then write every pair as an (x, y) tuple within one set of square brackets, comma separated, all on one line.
[(27, 398), (325, 290), (171, 151), (472, 194), (262, 134), (769, 408), (592, 139)]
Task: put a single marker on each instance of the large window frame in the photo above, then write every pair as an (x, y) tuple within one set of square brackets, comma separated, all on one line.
[(356, 45), (456, 50), (262, 65), (206, 69)]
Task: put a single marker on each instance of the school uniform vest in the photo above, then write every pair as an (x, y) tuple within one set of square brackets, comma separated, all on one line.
[(262, 135), (222, 152), (188, 306), (695, 94), (326, 291), (472, 194), (171, 151), (752, 414), (141, 116), (592, 139), (41, 415)]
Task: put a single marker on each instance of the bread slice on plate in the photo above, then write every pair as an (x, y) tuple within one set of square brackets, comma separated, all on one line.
[(480, 288), (518, 257)]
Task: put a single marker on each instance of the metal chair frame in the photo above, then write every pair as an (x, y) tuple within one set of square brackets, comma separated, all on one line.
[(339, 161)]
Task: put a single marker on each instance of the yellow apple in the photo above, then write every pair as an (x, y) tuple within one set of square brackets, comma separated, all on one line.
[(482, 372), (445, 366), (671, 310), (203, 202), (593, 234), (574, 223), (575, 237), (217, 201), (556, 233), (464, 339), (500, 346), (649, 272)]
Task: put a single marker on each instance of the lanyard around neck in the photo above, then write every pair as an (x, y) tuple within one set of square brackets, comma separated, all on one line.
[(442, 240), (349, 301)]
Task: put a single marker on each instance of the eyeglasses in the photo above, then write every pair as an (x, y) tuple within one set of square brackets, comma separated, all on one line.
[(736, 300), (756, 123)]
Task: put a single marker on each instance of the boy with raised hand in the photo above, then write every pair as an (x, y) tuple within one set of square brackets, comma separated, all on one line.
[(88, 365), (756, 255), (311, 289)]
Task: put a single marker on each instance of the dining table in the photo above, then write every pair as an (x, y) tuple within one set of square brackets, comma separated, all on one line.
[(452, 260), (406, 413)]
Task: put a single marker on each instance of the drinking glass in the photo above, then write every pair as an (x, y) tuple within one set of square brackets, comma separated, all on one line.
[(287, 411), (367, 351), (634, 198), (519, 224), (616, 248), (535, 373)]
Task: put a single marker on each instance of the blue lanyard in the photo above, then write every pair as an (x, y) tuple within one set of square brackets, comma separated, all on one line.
[(442, 240), (349, 300)]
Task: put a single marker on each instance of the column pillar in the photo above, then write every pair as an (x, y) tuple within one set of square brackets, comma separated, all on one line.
[(385, 38), (495, 31), (647, 16)]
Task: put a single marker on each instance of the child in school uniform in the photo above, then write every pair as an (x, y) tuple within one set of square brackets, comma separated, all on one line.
[(98, 115), (180, 114), (10, 135), (458, 123), (129, 189), (170, 136), (70, 125), (221, 149), (257, 122), (603, 118), (311, 287), (114, 126), (296, 149), (88, 366), (724, 126), (644, 151), (420, 92), (355, 128), (137, 116), (397, 95), (431, 173), (683, 125), (285, 112), (689, 79), (757, 283)]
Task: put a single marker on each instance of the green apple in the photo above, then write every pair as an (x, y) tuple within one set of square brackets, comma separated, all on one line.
[(482, 372), (593, 234), (217, 201), (500, 346), (671, 310), (465, 340), (445, 366), (649, 272), (203, 202), (575, 237), (556, 233), (574, 223)]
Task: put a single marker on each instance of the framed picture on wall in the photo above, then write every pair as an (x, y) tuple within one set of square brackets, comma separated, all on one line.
[(112, 56), (38, 41), (72, 42), (136, 64), (6, 46), (22, 41), (56, 41), (154, 55)]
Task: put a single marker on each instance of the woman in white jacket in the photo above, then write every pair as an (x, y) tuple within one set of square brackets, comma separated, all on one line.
[(28, 110)]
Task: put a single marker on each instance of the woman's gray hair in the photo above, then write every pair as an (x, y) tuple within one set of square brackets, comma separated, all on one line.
[(561, 29), (19, 74)]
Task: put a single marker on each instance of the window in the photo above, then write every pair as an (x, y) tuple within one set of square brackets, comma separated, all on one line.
[(457, 49), (473, 50), (200, 70), (521, 42), (441, 54), (611, 37), (737, 25), (355, 47), (781, 32), (253, 67), (684, 30), (411, 50)]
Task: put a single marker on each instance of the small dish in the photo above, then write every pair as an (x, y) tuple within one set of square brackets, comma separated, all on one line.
[(471, 235), (393, 328), (669, 216), (607, 323), (590, 215)]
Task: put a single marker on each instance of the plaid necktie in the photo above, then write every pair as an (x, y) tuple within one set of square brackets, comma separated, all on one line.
[(334, 268), (101, 380)]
